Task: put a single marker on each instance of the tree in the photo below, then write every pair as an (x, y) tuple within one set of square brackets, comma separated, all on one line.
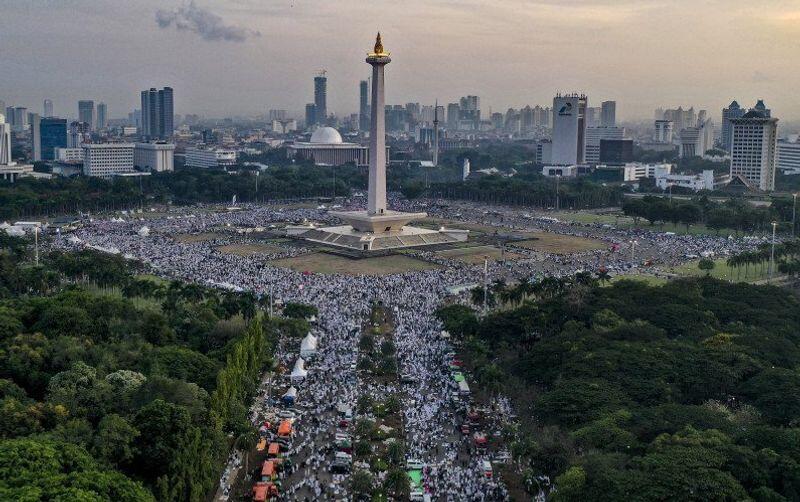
[(397, 483), (361, 484), (706, 265), (114, 441)]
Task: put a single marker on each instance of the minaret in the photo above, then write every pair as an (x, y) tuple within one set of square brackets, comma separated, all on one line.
[(436, 134), (376, 203)]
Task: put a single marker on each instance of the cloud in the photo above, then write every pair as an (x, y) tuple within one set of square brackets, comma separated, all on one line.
[(208, 25)]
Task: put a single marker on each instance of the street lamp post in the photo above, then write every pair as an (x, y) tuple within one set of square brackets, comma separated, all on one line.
[(633, 247), (772, 252), (558, 199), (485, 282)]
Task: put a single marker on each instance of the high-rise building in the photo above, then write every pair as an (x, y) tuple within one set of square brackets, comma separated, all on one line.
[(594, 135), (664, 131), (53, 134), (583, 104), (158, 113), (20, 119), (5, 141), (469, 113), (277, 115), (754, 149), (102, 116), (86, 113), (79, 134), (733, 111), (761, 107), (694, 141), (608, 114), (311, 115), (452, 116), (789, 155), (47, 108), (363, 106), (321, 99), (36, 136), (567, 120)]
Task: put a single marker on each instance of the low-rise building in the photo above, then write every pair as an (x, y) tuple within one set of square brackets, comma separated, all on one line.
[(206, 158), (69, 154), (560, 171), (155, 157), (105, 160), (694, 182), (635, 171)]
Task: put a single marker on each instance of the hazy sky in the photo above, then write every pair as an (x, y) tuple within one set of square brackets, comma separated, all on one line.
[(226, 57)]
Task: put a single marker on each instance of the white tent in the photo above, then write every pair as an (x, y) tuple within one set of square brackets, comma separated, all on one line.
[(74, 240), (4, 225), (299, 372), (144, 231), (15, 231), (308, 347)]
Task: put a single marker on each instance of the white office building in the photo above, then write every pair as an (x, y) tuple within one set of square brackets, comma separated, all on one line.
[(635, 171), (695, 141), (560, 171), (593, 137), (155, 157), (754, 149), (105, 160), (789, 155), (210, 157), (567, 133), (694, 182)]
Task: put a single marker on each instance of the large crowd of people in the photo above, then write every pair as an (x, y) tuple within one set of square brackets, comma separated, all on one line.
[(431, 415)]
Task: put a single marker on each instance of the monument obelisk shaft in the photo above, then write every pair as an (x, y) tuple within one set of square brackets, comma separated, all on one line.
[(376, 202)]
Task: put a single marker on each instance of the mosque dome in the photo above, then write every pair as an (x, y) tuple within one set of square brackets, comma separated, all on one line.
[(326, 135)]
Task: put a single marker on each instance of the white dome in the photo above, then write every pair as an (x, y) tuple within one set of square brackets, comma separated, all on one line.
[(326, 135)]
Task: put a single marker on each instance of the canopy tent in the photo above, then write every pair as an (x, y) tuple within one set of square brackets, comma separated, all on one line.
[(285, 428), (458, 377), (144, 231), (415, 476), (308, 347), (299, 372)]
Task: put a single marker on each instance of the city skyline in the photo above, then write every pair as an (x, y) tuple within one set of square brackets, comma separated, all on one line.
[(525, 52)]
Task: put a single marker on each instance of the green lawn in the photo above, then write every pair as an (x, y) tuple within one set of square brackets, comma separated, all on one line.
[(619, 220), (650, 280), (723, 271)]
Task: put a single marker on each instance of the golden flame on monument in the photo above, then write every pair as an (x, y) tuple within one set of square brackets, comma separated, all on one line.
[(378, 50)]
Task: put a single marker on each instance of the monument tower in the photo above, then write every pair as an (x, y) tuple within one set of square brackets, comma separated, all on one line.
[(376, 203), (377, 227)]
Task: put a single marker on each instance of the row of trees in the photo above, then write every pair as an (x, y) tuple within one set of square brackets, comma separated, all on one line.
[(734, 214), (691, 397)]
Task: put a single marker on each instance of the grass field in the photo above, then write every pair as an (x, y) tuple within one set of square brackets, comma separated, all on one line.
[(723, 271), (475, 229), (548, 242), (619, 220), (476, 254), (249, 249), (650, 280), (323, 263), (195, 238)]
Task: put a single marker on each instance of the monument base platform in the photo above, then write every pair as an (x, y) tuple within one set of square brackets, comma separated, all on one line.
[(387, 221), (346, 236)]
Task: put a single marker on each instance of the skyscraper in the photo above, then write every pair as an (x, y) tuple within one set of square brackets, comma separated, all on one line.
[(311, 115), (321, 98), (158, 114), (608, 114), (569, 125), (452, 116), (86, 113), (47, 108), (363, 106), (733, 111), (754, 149), (5, 141), (53, 134), (20, 118), (102, 116), (36, 136)]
